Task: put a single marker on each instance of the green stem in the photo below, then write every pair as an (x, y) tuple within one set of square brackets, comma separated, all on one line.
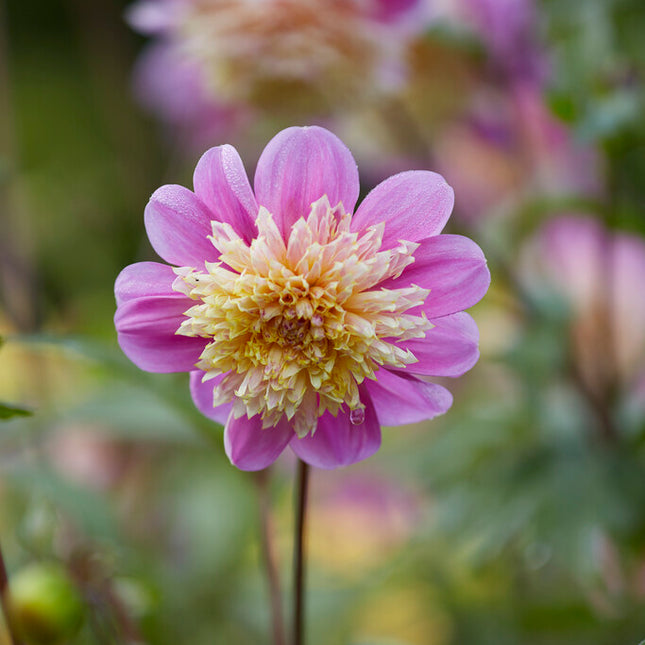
[(302, 485), (269, 558)]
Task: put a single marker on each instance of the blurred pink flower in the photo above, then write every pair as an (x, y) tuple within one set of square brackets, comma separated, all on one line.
[(481, 159), (171, 87), (508, 29), (599, 274), (216, 65), (301, 324), (87, 455), (358, 521), (561, 164), (512, 148)]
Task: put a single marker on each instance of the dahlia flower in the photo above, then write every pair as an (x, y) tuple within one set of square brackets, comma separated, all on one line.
[(510, 149), (304, 322), (218, 64), (598, 274)]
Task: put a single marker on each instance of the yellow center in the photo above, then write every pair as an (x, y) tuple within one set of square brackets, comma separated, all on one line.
[(298, 326)]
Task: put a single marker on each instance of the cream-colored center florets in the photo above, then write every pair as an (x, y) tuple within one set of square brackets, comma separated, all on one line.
[(298, 326), (253, 51)]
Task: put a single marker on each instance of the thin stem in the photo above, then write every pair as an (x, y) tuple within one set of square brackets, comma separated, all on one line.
[(302, 485), (4, 600), (608, 433), (269, 558), (126, 627)]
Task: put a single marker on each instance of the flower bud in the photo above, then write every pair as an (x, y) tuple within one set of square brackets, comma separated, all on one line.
[(45, 607)]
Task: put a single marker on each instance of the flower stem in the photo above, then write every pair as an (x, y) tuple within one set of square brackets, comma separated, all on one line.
[(4, 600), (269, 558), (302, 485)]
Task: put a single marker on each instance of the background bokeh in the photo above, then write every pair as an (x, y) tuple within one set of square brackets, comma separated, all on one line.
[(518, 517)]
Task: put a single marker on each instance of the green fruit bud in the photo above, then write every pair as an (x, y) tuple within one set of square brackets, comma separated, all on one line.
[(45, 607)]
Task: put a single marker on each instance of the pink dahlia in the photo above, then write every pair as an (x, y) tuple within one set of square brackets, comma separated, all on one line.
[(510, 149), (301, 324), (599, 275)]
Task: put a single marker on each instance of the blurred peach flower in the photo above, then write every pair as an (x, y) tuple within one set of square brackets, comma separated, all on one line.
[(216, 64)]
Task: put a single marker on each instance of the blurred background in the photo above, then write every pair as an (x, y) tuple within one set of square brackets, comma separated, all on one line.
[(519, 517)]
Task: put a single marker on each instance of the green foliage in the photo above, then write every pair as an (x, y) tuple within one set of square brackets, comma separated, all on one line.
[(8, 411)]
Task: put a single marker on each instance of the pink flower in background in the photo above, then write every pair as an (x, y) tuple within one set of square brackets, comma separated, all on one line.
[(600, 275), (216, 65), (303, 325), (508, 29), (511, 148), (171, 87), (379, 513), (559, 163), (480, 157)]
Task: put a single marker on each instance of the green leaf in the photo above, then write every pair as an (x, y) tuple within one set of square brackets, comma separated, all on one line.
[(8, 411), (90, 511)]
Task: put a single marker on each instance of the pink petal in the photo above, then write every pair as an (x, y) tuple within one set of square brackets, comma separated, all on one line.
[(337, 442), (202, 393), (414, 205), (146, 332), (251, 447), (145, 279), (298, 167), (450, 348), (401, 398), (178, 226), (453, 267), (221, 183)]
